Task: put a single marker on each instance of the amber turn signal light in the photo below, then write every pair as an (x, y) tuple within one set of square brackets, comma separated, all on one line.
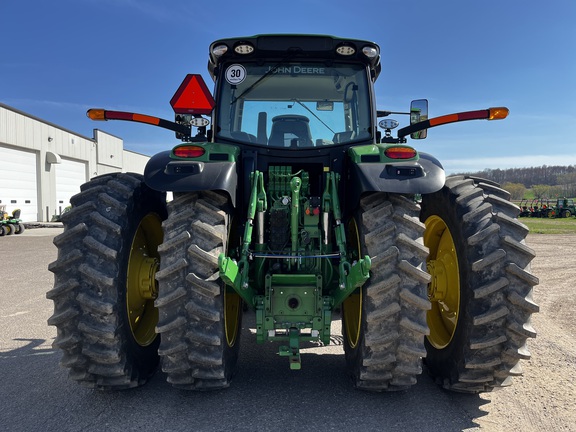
[(498, 113), (96, 114), (400, 152)]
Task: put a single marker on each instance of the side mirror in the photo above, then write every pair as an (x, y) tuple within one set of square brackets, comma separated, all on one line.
[(418, 113)]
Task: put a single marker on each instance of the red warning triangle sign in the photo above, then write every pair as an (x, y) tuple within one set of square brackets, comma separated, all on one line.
[(192, 97)]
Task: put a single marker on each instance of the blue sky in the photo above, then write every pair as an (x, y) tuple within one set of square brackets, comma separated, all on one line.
[(58, 58)]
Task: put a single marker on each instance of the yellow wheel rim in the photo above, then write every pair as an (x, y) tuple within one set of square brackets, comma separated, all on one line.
[(444, 288), (352, 306), (141, 285)]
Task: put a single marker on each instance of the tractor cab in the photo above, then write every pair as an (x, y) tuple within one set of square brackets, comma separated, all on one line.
[(289, 92)]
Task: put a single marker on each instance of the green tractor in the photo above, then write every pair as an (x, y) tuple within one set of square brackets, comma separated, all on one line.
[(11, 223), (291, 205), (564, 208)]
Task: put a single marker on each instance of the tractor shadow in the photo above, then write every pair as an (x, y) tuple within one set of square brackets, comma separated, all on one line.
[(321, 394), (265, 395)]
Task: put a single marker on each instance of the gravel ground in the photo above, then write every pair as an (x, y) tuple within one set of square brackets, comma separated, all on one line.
[(545, 397), (36, 394)]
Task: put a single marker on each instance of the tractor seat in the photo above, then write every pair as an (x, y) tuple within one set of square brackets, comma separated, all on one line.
[(290, 131)]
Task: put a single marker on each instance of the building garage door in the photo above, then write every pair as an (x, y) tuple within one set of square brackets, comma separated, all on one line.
[(70, 175), (18, 185)]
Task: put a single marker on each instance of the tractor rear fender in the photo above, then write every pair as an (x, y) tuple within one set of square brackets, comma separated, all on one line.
[(411, 177), (164, 173)]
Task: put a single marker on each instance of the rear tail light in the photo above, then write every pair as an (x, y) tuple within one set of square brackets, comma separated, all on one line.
[(189, 151), (400, 152)]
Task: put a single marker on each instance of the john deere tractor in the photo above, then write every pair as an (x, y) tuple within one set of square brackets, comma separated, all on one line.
[(294, 203), (11, 224), (564, 208)]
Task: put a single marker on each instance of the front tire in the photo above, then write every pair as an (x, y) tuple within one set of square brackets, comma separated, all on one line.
[(104, 282), (200, 318), (384, 323), (481, 289)]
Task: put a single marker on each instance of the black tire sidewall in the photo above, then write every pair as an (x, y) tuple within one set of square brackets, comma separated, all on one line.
[(447, 361), (353, 354), (145, 358)]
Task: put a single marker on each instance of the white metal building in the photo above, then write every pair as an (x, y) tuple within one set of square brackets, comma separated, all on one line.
[(42, 165)]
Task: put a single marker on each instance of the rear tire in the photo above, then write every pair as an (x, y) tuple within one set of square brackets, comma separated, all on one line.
[(200, 318), (481, 288), (384, 323), (104, 282)]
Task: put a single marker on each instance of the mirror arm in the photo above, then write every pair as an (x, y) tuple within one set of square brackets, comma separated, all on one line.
[(99, 114), (380, 113), (392, 140), (416, 127), (489, 114)]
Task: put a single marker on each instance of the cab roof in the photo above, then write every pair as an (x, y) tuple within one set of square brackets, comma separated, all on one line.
[(276, 47)]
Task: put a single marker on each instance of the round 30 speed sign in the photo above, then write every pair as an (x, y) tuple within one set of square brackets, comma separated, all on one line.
[(235, 74)]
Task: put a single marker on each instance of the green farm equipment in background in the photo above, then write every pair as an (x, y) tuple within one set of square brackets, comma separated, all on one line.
[(525, 211), (564, 208), (11, 223)]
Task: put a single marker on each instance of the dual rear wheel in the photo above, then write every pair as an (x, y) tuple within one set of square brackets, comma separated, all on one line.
[(470, 319), (136, 284)]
